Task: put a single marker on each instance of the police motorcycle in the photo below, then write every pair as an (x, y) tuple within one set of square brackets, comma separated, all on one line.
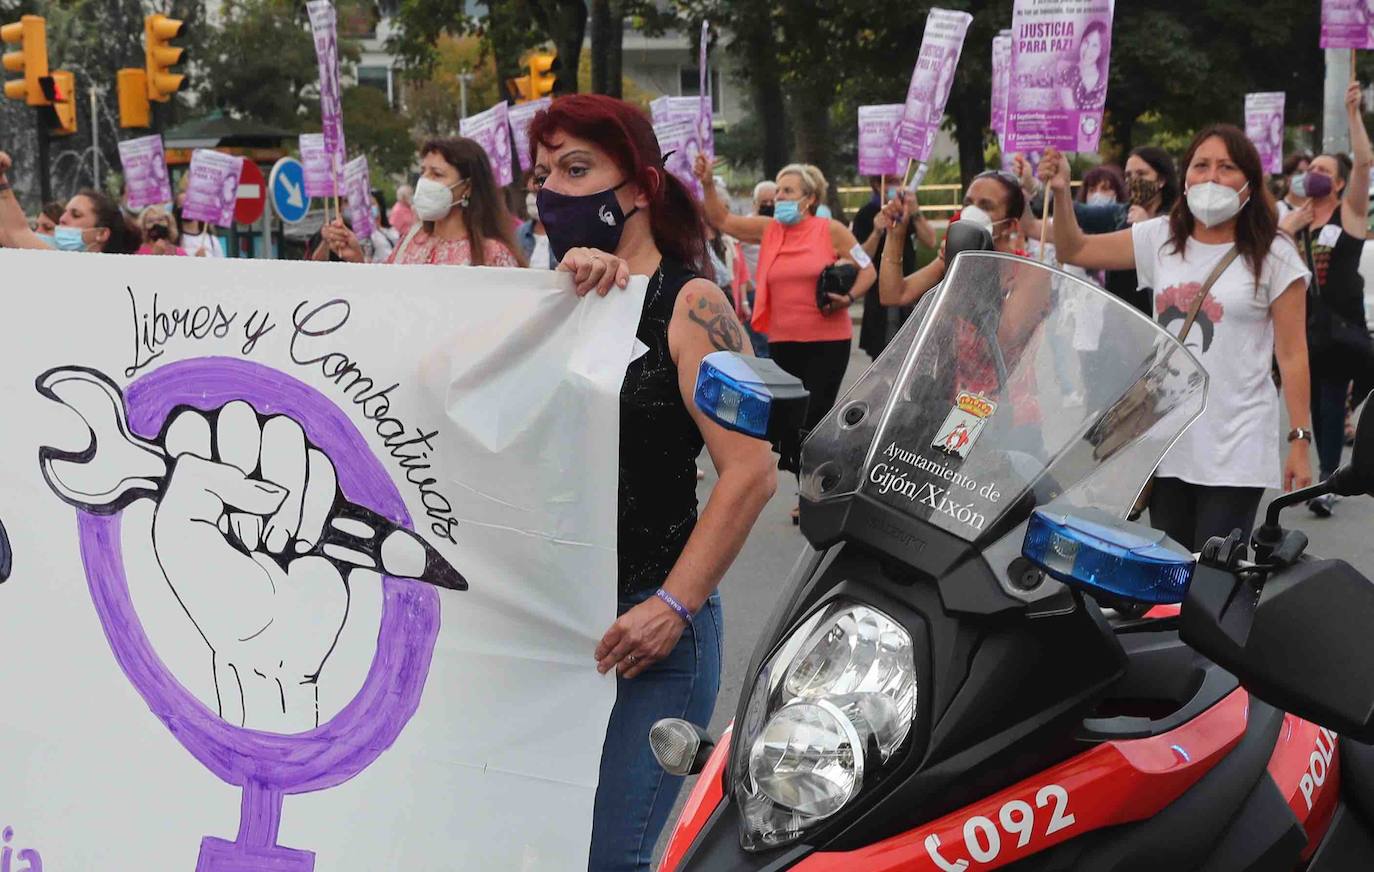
[(953, 679)]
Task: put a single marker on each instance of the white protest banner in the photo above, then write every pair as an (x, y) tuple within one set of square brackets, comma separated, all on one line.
[(680, 142), (1347, 24), (320, 179), (145, 172), (212, 187), (1264, 126), (520, 115), (931, 79), (307, 572), (491, 130), (705, 121), (358, 191), (324, 28), (1060, 54), (878, 139)]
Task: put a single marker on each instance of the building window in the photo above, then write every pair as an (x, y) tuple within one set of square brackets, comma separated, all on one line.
[(376, 77), (689, 85)]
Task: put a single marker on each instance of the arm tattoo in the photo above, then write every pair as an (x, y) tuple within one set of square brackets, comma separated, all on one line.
[(719, 323)]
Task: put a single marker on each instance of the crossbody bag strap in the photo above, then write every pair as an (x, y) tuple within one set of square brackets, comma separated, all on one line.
[(1206, 289), (405, 243)]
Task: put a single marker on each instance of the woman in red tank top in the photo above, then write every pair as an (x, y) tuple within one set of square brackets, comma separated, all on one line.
[(795, 245)]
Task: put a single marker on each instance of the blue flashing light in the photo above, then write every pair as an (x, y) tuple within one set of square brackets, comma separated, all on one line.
[(1094, 551), (731, 394)]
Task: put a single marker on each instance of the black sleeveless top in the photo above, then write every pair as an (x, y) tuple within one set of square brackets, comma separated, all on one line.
[(1334, 258), (659, 445)]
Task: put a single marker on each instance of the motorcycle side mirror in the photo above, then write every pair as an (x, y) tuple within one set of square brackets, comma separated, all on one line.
[(750, 395), (1300, 642), (1357, 476), (966, 236)]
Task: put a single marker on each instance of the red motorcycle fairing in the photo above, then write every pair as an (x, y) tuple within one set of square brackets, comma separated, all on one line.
[(1113, 783), (1306, 767), (707, 794)]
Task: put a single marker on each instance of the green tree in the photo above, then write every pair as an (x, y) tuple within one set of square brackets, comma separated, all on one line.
[(508, 30), (261, 64), (372, 128)]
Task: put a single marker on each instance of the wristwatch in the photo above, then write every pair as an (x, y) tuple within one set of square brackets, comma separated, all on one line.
[(1300, 433)]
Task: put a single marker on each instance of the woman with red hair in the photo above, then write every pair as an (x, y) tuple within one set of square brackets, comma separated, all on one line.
[(610, 210)]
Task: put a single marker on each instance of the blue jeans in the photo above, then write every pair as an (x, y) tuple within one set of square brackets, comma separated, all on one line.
[(1328, 419), (757, 341), (634, 795)]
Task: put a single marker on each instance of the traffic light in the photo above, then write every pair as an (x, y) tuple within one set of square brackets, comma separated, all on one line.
[(519, 89), (134, 109), (60, 90), (543, 74), (543, 68), (30, 33), (158, 30)]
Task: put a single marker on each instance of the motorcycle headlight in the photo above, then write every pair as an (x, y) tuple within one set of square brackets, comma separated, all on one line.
[(828, 711)]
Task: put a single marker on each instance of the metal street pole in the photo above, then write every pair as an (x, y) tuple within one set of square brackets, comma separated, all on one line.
[(1335, 136), (44, 180), (463, 80), (95, 140)]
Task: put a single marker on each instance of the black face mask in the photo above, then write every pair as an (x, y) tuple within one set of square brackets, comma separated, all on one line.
[(766, 210), (591, 221)]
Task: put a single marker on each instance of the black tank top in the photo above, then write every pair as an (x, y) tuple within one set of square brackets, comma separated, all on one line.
[(659, 445), (1334, 258)]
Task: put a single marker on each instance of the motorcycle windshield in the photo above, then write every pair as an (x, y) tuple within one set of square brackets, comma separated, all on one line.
[(1012, 385)]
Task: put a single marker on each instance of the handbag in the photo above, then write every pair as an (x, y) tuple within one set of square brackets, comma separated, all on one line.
[(838, 278), (1143, 499)]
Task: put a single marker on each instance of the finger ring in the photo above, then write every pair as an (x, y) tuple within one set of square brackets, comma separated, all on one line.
[(631, 659)]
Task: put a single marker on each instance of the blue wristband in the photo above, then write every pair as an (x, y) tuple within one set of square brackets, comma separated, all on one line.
[(682, 611)]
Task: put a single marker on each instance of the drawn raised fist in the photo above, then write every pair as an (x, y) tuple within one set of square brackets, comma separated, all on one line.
[(231, 533)]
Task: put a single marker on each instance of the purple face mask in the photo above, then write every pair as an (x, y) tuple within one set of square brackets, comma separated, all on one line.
[(1313, 185), (592, 221)]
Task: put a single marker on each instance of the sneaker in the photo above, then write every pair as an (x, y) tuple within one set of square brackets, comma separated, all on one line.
[(1321, 506)]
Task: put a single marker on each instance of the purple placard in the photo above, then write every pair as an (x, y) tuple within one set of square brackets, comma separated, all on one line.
[(145, 172), (358, 190), (1060, 56), (491, 130), (878, 139), (931, 79), (680, 142), (1264, 126), (267, 765), (212, 187), (520, 115), (324, 27), (319, 171), (1001, 79), (668, 109), (1347, 24)]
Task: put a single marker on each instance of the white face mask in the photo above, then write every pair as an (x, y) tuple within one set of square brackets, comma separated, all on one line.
[(432, 200), (532, 206), (1213, 203), (1101, 198), (981, 218)]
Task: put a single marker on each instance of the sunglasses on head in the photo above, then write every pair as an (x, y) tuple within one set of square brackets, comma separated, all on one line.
[(1000, 174)]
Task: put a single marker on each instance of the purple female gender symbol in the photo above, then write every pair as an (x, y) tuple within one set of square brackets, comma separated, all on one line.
[(266, 765)]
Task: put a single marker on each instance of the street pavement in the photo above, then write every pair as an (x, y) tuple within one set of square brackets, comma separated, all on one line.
[(759, 574)]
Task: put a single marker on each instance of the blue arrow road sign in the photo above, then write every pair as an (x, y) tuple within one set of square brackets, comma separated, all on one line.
[(287, 185)]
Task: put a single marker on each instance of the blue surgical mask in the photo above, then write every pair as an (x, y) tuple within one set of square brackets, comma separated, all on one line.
[(822, 211), (787, 211), (66, 239)]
